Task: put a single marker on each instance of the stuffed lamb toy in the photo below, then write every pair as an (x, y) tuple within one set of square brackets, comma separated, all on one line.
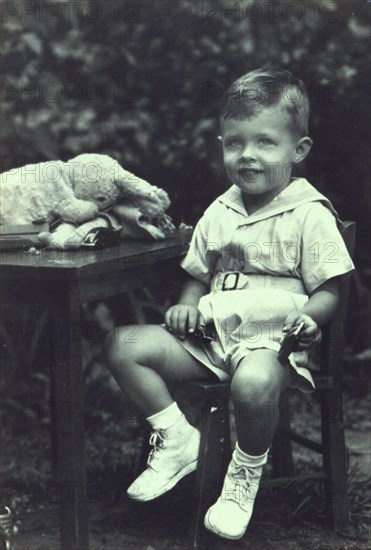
[(74, 191)]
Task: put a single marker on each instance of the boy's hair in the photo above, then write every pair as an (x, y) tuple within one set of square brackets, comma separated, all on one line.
[(266, 87)]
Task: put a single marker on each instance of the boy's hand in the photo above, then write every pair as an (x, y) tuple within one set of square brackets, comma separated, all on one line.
[(310, 335), (181, 319)]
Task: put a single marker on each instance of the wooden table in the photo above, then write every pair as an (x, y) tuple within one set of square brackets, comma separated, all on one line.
[(70, 278)]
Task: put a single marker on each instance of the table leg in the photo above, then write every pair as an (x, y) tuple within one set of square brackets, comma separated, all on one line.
[(66, 370)]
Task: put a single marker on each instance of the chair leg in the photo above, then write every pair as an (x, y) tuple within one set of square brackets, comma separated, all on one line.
[(282, 461), (214, 454), (334, 456)]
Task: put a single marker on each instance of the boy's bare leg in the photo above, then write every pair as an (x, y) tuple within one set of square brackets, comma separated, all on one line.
[(143, 363), (256, 389), (143, 358)]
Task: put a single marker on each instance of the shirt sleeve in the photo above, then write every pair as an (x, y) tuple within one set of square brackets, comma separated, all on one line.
[(324, 254), (196, 261)]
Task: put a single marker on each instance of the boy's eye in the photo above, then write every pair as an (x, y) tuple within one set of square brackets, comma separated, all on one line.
[(233, 144), (265, 141)]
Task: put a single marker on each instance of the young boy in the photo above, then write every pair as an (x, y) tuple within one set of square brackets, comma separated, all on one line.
[(266, 255)]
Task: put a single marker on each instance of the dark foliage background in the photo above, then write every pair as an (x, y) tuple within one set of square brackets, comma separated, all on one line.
[(142, 81)]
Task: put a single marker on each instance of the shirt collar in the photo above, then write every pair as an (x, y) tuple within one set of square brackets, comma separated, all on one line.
[(233, 196), (299, 191)]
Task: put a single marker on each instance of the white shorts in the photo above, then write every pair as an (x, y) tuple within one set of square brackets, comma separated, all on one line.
[(246, 320)]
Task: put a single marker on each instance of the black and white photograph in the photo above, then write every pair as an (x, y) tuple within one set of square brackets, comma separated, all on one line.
[(185, 284)]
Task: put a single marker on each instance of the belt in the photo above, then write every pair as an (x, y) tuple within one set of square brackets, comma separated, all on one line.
[(235, 280)]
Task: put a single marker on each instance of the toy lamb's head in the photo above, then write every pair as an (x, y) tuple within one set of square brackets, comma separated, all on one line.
[(94, 178), (101, 179)]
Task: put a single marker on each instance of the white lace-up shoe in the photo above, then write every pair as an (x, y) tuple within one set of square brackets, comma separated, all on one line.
[(230, 515), (174, 455)]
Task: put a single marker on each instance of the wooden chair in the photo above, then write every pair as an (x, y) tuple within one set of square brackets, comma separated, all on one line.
[(215, 448)]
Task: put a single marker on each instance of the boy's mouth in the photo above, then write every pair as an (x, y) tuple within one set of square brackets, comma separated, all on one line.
[(249, 171)]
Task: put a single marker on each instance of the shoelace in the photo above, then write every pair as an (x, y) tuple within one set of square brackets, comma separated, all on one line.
[(156, 440), (240, 487)]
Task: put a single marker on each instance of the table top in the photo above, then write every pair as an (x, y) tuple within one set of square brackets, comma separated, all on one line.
[(76, 263)]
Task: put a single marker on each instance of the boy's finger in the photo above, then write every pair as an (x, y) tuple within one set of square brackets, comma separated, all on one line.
[(168, 318), (302, 346), (310, 331), (317, 337), (305, 341), (173, 320), (192, 320), (308, 341), (289, 324), (182, 323)]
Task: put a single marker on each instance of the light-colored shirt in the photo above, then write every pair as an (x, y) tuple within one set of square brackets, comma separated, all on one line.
[(295, 235)]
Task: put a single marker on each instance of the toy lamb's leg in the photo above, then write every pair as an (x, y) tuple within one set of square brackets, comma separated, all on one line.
[(77, 210), (70, 208)]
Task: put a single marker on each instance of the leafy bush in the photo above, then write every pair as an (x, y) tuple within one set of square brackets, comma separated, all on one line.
[(143, 82)]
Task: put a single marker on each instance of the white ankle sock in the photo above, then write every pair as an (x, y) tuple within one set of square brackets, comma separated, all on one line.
[(165, 418), (248, 460)]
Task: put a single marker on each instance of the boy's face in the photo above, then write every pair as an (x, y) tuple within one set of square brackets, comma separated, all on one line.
[(259, 151)]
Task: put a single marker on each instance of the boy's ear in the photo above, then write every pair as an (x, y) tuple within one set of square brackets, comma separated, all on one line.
[(302, 148)]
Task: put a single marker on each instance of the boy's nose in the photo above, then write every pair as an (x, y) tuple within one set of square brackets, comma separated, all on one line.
[(248, 153)]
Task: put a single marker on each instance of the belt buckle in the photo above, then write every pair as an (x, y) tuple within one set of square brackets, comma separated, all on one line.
[(226, 284)]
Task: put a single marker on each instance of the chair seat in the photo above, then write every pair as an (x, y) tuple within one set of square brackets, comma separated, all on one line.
[(322, 382)]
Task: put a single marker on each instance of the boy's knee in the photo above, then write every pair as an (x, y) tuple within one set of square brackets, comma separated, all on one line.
[(115, 344), (254, 385), (131, 344)]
